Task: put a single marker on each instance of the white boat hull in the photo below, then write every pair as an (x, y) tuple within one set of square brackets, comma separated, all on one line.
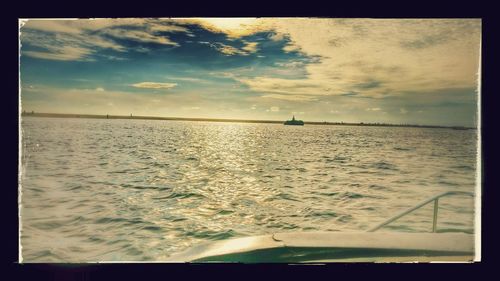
[(335, 247)]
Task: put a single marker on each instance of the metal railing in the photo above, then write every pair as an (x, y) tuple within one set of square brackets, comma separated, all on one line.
[(420, 205)]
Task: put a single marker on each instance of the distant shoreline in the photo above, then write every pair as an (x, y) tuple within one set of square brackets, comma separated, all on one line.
[(95, 116)]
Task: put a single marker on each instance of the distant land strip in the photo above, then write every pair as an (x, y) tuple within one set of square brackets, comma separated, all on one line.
[(65, 115)]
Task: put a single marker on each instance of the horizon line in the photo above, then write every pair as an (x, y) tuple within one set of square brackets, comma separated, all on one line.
[(232, 120)]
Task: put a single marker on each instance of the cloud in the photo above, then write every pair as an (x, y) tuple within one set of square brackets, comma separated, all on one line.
[(139, 36), (232, 27), (291, 48), (291, 64), (290, 97), (373, 109), (80, 39), (188, 79), (63, 47), (250, 47), (274, 108), (350, 94), (154, 85), (77, 26), (61, 53), (368, 85), (282, 86), (228, 50), (62, 40), (168, 27), (376, 58), (403, 111), (99, 89), (426, 41), (277, 37), (113, 58)]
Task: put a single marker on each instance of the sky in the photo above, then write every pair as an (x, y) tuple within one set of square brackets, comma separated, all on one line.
[(399, 71)]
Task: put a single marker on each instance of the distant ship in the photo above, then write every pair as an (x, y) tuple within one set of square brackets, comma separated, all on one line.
[(294, 122)]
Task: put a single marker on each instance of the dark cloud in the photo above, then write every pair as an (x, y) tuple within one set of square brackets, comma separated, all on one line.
[(350, 94), (369, 85), (426, 41), (337, 42)]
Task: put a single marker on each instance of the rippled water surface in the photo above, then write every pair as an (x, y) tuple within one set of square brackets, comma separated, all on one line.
[(130, 190)]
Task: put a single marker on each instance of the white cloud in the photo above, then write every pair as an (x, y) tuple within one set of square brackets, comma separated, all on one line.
[(154, 85), (403, 111), (291, 48), (298, 98), (139, 36), (292, 64), (274, 108), (281, 88), (376, 57), (61, 53), (188, 79), (229, 50), (277, 36), (62, 42), (99, 89), (109, 57), (77, 26), (250, 47), (232, 27), (156, 27), (60, 38), (373, 109)]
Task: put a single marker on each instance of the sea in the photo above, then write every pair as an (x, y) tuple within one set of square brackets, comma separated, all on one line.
[(95, 190)]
